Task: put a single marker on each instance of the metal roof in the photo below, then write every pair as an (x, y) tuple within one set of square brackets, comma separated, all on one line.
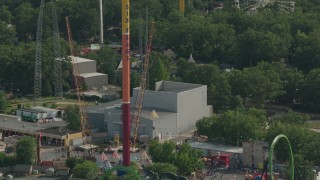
[(32, 110), (79, 59), (93, 74), (214, 147), (50, 129)]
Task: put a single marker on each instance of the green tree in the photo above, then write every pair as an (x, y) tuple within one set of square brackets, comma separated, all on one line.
[(5, 14), (87, 170), (7, 33), (305, 54), (204, 126), (188, 159), (157, 70), (162, 152), (292, 80), (185, 159), (254, 46), (160, 168), (291, 118), (6, 160), (3, 102), (233, 126), (71, 162), (259, 83), (25, 18), (311, 88), (72, 117), (26, 150)]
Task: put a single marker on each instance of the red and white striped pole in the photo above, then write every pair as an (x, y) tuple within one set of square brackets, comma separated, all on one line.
[(126, 81)]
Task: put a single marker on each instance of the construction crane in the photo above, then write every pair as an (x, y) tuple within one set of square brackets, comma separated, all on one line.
[(182, 5), (38, 66), (135, 123), (57, 52), (84, 125)]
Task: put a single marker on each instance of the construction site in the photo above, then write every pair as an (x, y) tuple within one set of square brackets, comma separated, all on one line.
[(115, 125), (171, 109)]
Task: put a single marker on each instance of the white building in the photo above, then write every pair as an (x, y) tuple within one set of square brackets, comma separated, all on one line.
[(171, 109)]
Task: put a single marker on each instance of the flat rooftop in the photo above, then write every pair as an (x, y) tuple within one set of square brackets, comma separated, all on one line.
[(116, 106), (41, 108), (79, 59), (147, 113), (102, 106), (174, 87), (32, 110), (93, 74), (55, 129)]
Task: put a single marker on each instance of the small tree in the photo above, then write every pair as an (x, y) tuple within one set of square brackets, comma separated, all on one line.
[(71, 162), (72, 117), (188, 159), (87, 170), (26, 150), (3, 102)]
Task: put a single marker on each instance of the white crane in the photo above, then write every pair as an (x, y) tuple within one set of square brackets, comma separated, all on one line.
[(253, 5)]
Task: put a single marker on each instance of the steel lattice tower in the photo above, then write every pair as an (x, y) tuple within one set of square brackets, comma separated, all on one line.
[(57, 53), (38, 64)]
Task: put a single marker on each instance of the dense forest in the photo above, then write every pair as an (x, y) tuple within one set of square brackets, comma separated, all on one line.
[(263, 56)]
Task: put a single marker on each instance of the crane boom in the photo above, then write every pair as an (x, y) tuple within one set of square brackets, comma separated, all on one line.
[(140, 94), (84, 126)]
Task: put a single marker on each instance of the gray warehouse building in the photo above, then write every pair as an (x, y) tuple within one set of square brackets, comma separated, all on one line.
[(87, 69), (171, 109)]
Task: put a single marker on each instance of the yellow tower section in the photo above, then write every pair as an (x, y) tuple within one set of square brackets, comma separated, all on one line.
[(181, 5)]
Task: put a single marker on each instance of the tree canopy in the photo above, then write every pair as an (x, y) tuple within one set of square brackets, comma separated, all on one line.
[(87, 170), (185, 158), (26, 150), (72, 117)]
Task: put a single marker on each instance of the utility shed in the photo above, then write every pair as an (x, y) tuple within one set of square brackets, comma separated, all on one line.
[(254, 153), (94, 79), (88, 72), (31, 115), (83, 65), (51, 113)]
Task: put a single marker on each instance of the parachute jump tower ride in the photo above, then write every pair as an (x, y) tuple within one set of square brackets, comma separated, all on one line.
[(126, 81)]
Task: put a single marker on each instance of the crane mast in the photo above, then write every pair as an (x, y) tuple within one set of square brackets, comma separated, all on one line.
[(84, 125), (57, 52), (182, 5), (140, 94), (38, 63)]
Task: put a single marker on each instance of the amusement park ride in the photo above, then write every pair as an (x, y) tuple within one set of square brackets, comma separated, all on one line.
[(253, 5)]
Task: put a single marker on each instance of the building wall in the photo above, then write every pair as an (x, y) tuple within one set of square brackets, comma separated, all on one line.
[(114, 121), (96, 81), (174, 86), (158, 99), (146, 127), (254, 153), (96, 120), (70, 137), (165, 126), (192, 106), (86, 67)]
